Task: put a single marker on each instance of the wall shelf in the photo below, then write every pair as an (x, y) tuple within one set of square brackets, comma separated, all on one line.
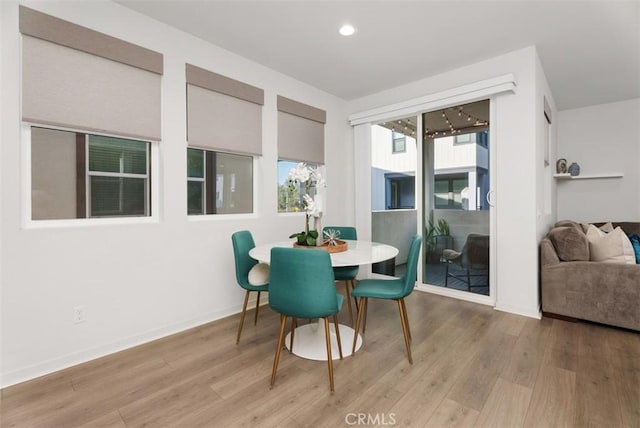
[(568, 176)]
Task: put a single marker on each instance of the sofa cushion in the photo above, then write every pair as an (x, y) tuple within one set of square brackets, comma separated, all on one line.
[(570, 243), (259, 274), (605, 227), (567, 223), (613, 247)]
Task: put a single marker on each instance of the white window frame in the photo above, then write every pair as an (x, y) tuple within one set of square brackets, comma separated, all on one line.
[(25, 194)]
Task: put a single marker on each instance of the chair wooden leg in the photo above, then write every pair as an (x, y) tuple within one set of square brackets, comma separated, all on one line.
[(364, 321), (283, 322), (255, 318), (294, 324), (348, 296), (355, 301), (244, 311), (327, 336), (337, 327), (406, 318), (358, 320), (405, 328)]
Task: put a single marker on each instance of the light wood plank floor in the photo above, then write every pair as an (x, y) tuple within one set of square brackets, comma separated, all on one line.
[(473, 366)]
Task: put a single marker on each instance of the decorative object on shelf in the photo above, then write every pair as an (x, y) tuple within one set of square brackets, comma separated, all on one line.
[(574, 169), (310, 177), (561, 166)]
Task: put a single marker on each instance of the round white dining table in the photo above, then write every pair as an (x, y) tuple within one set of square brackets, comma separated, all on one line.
[(309, 341)]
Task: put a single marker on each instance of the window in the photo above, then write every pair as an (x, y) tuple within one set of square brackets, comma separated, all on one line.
[(480, 138), (290, 199), (219, 183), (448, 192), (77, 175), (399, 142), (195, 181), (400, 191)]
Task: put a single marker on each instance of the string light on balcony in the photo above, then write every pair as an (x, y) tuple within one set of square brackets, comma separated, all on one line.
[(453, 129)]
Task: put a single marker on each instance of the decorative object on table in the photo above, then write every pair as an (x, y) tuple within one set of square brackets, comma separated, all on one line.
[(561, 166), (574, 169), (311, 178), (331, 236), (338, 248)]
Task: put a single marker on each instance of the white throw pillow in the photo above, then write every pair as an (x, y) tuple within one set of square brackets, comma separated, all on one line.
[(613, 247), (607, 227), (259, 274)]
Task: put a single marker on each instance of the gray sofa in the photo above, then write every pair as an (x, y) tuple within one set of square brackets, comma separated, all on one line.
[(573, 287)]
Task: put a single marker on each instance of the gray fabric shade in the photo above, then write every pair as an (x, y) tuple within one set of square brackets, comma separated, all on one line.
[(300, 132), (78, 78), (223, 114), (69, 88), (64, 33)]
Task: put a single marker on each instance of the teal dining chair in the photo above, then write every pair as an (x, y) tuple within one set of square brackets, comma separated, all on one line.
[(345, 273), (242, 244), (302, 286), (390, 289)]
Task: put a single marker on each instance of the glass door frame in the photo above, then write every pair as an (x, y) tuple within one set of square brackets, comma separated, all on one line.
[(491, 89), (450, 292)]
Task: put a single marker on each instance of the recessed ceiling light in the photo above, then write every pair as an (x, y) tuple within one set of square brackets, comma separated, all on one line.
[(347, 30)]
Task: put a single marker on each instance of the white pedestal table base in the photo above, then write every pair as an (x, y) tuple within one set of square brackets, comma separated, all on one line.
[(309, 341)]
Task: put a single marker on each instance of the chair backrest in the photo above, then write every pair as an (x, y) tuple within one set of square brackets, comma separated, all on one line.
[(410, 276), (242, 243), (346, 232), (301, 283), (475, 253)]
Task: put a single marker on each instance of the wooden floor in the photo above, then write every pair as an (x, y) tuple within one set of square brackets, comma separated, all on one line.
[(473, 366)]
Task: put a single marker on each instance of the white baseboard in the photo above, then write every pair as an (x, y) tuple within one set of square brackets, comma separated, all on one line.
[(527, 312), (456, 294), (75, 358)]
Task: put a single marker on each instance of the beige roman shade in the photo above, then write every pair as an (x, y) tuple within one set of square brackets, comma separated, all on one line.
[(300, 131), (82, 79), (223, 114)]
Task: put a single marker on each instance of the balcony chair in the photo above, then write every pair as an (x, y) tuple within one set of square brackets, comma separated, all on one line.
[(302, 286), (473, 257), (346, 273), (389, 289), (242, 244)]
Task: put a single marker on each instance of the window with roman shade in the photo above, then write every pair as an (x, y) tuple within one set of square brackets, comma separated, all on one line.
[(224, 133), (78, 78), (300, 131), (91, 105)]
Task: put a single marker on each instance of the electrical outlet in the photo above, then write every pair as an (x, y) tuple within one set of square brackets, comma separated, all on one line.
[(79, 314)]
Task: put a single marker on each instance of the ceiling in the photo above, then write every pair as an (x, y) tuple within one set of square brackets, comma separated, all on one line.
[(590, 50)]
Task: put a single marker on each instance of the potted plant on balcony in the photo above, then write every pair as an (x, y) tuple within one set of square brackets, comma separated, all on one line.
[(437, 238)]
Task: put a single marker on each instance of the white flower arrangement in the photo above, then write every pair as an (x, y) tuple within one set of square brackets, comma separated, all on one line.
[(310, 177)]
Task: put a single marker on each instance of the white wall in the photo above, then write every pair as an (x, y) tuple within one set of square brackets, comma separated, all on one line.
[(602, 139), (516, 144), (140, 281), (546, 207)]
